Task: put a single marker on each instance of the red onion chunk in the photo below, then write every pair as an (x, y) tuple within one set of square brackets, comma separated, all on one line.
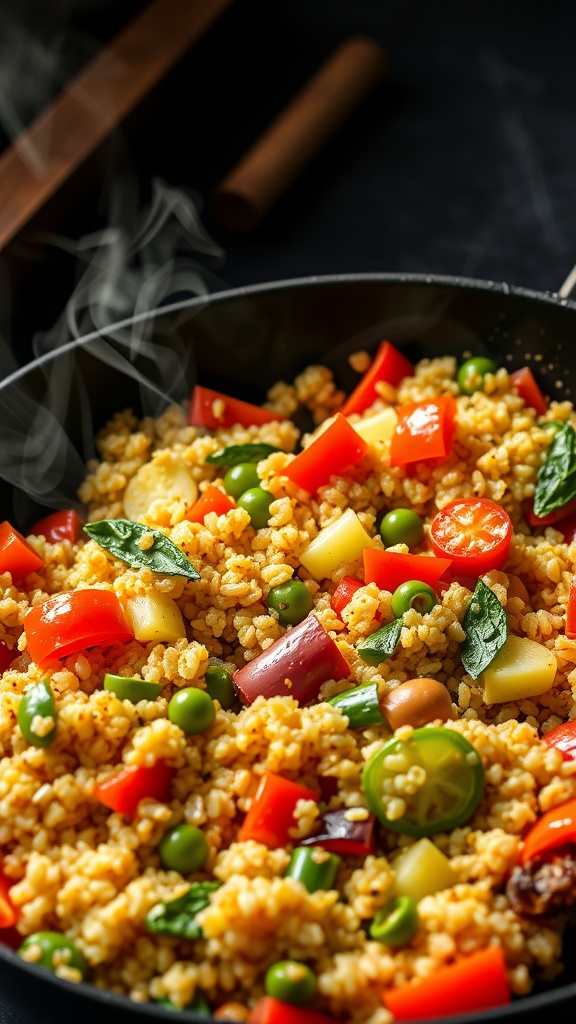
[(336, 833), (296, 665)]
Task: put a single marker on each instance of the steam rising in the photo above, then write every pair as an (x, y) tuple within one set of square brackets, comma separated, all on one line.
[(144, 260)]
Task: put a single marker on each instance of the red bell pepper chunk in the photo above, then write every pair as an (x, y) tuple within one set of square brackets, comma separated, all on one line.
[(296, 665), (425, 430), (271, 1011), (389, 569), (124, 791), (212, 500), (336, 448), (389, 366), (343, 594), (570, 629), (62, 525), (563, 737), (7, 910), (524, 382), (16, 555), (212, 409), (555, 828), (6, 657), (271, 812), (476, 982), (74, 621)]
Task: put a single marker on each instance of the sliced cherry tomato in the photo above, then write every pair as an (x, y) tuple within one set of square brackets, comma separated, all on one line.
[(74, 621), (476, 982), (452, 787), (124, 791), (474, 532), (563, 737), (212, 500), (62, 525), (389, 569), (333, 450), (570, 629), (525, 383), (16, 555), (425, 430), (271, 812), (388, 365), (212, 409), (555, 828)]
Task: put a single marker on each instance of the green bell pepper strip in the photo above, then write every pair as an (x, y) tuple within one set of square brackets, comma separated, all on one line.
[(360, 706), (133, 690), (315, 868)]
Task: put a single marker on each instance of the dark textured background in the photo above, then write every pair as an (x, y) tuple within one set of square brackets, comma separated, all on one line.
[(463, 162)]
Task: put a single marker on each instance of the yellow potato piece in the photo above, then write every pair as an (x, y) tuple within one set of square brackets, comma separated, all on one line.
[(343, 541), (379, 427), (522, 668), (166, 480), (421, 870), (155, 616)]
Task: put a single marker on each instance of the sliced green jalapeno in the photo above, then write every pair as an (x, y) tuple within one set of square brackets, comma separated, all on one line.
[(429, 782), (37, 715), (396, 923)]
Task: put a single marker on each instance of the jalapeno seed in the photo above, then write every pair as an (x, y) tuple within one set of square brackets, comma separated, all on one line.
[(396, 923)]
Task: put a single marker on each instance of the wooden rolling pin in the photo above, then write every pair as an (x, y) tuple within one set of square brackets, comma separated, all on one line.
[(246, 195)]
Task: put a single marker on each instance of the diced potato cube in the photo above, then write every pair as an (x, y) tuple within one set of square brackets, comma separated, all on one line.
[(165, 479), (155, 616), (421, 870), (338, 544), (522, 668), (379, 427)]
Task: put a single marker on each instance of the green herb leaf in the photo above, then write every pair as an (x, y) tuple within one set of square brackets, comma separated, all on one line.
[(486, 630), (556, 480), (382, 643), (238, 453), (178, 917), (121, 538)]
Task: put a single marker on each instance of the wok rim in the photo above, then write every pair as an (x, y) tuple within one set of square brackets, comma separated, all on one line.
[(105, 998), (199, 302)]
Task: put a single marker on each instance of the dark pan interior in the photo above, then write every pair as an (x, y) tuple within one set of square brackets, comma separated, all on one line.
[(241, 342)]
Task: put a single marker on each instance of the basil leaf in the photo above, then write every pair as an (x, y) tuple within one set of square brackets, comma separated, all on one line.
[(121, 538), (238, 453), (382, 643), (486, 630), (556, 480), (178, 917)]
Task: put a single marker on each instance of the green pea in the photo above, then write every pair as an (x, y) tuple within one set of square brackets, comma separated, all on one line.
[(413, 594), (192, 710), (183, 848), (241, 478), (131, 689), (35, 712), (471, 374), (396, 923), (53, 950), (290, 982), (256, 502), (220, 686), (402, 526), (292, 600)]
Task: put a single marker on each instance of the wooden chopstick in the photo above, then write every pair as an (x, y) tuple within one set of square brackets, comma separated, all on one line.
[(87, 110)]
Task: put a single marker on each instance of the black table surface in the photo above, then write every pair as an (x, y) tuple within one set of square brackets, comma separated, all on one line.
[(462, 162)]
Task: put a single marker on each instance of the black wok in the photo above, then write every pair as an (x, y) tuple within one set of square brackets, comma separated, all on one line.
[(240, 342)]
